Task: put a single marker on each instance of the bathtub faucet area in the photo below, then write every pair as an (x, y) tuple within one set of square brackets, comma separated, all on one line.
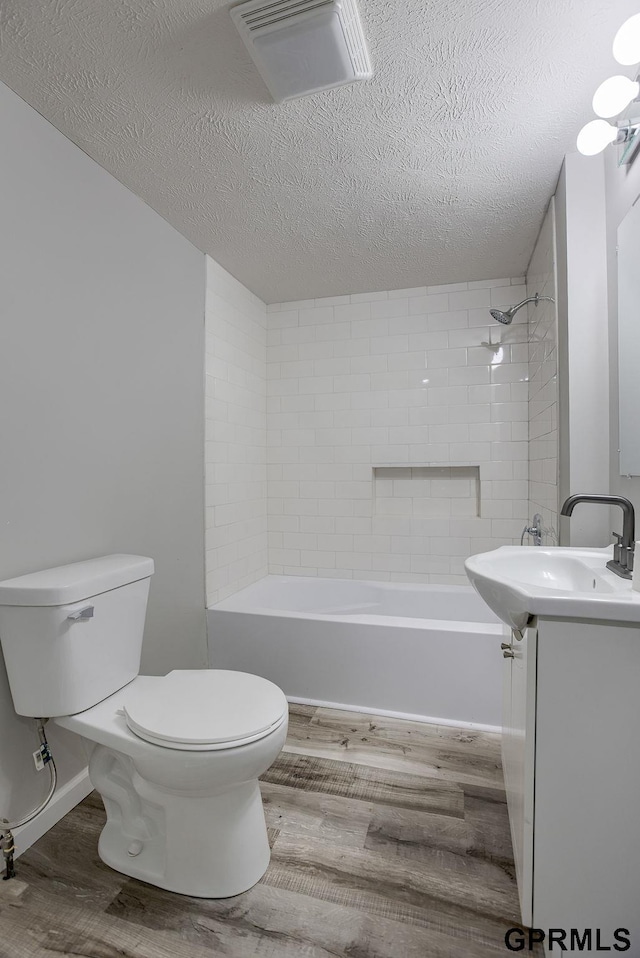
[(534, 530)]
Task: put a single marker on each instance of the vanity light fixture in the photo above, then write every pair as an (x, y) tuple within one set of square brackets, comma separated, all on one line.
[(626, 43), (614, 95), (598, 134)]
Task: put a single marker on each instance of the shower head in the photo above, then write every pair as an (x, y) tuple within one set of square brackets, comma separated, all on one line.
[(506, 316), (502, 317)]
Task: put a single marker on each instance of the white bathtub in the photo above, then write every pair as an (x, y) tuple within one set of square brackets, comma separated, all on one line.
[(426, 652)]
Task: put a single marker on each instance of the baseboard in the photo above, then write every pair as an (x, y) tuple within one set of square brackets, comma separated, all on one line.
[(407, 716), (66, 797)]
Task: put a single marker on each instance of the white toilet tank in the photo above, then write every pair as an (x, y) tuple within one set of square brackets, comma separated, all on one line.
[(72, 635)]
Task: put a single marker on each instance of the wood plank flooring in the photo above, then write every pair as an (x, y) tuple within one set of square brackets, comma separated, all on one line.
[(390, 839)]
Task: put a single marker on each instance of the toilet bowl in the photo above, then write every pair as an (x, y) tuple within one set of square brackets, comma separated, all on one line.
[(176, 758), (184, 816)]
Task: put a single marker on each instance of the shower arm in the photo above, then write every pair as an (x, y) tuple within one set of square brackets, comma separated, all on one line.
[(533, 299)]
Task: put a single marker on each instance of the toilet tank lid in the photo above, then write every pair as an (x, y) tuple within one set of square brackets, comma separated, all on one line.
[(74, 582)]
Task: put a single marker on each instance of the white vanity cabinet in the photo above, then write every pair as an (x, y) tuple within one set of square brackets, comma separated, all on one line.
[(571, 755), (518, 756)]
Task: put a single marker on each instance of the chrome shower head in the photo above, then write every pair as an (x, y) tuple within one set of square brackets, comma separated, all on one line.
[(501, 317), (506, 316)]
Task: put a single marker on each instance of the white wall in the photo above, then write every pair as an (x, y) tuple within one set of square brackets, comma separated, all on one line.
[(583, 349), (101, 399), (622, 188), (406, 378), (543, 385), (236, 435)]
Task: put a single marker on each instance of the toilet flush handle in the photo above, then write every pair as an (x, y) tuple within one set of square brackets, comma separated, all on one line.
[(85, 613)]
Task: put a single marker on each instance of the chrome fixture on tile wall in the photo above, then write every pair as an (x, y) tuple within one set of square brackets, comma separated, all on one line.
[(534, 530), (506, 316)]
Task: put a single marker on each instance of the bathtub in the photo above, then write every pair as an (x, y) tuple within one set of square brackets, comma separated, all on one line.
[(429, 653)]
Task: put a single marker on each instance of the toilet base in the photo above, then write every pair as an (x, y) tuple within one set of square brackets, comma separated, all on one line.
[(201, 845)]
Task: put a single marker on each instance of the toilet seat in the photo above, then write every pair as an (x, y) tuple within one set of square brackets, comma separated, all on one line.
[(205, 710)]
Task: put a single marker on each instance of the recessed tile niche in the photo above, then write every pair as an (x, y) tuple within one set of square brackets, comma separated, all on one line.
[(433, 491)]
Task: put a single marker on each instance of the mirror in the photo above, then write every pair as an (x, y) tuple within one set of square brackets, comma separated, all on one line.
[(629, 341)]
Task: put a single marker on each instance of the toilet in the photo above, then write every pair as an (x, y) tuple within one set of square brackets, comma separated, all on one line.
[(176, 758)]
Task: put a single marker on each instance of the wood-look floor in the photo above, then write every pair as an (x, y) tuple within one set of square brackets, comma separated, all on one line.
[(390, 839)]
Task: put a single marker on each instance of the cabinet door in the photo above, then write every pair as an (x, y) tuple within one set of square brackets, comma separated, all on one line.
[(518, 755)]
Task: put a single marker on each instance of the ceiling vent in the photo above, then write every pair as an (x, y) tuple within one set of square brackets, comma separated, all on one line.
[(303, 46)]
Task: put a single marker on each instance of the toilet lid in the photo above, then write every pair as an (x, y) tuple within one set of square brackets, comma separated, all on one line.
[(205, 709)]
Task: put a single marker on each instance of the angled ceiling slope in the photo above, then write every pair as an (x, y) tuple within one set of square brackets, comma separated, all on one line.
[(437, 169)]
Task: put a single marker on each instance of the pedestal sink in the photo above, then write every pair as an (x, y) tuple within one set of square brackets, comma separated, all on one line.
[(570, 742), (519, 582)]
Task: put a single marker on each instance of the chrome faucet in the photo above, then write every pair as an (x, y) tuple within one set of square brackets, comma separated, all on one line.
[(534, 530), (622, 562)]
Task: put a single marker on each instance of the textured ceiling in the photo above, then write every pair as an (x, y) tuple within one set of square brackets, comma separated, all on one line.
[(436, 170)]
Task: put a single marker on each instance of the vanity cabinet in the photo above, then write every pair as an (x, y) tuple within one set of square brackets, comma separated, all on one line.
[(571, 756), (518, 756)]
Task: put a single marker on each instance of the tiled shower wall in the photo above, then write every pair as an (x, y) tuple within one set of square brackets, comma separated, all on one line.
[(235, 456), (397, 431), (543, 386)]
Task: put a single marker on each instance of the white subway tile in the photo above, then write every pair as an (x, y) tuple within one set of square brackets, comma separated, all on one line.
[(317, 490), (298, 334), (348, 388), (390, 309), (368, 364), (393, 453), (315, 315), (278, 320), (331, 301), (428, 340), (447, 288), (369, 297), (421, 381), (365, 328), (510, 373), (409, 292), (389, 344), (507, 295), (469, 376), (314, 350), (354, 417), (458, 319), (488, 283), (352, 312), (470, 452), (470, 299), (351, 383), (438, 303), (446, 358), (300, 540), (331, 367)]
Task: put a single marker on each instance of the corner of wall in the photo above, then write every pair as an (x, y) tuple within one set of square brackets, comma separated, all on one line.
[(583, 344), (622, 188), (235, 439)]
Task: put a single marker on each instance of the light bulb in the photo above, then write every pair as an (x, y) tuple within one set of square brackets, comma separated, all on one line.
[(595, 136), (626, 43), (614, 95)]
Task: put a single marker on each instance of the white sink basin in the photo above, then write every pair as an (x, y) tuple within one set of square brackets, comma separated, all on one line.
[(517, 582)]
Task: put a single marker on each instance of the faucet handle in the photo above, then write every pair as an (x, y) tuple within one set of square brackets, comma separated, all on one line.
[(617, 547)]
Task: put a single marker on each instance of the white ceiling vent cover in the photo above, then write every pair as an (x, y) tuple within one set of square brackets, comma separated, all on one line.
[(302, 46)]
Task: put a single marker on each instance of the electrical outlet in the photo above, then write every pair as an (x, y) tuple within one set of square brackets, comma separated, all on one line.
[(38, 760)]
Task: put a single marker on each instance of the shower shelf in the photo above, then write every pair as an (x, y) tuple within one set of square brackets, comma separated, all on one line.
[(437, 490)]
